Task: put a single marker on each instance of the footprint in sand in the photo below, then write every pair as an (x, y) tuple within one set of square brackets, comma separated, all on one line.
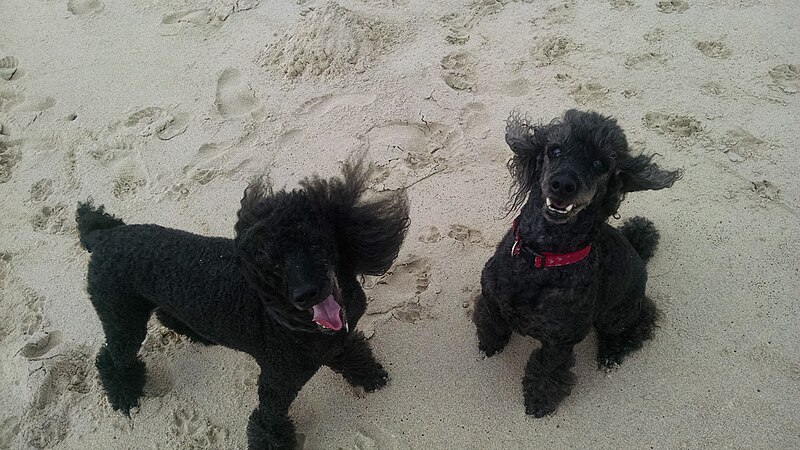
[(193, 16), (235, 98), (682, 126), (560, 13), (247, 374), (8, 67), (41, 190), (189, 429), (376, 438), (672, 6), (114, 151), (460, 25), (396, 294), (83, 7), (164, 124), (51, 219), (740, 145), (5, 266), (9, 429), (386, 2), (548, 50), (67, 379), (39, 343), (21, 314), (475, 121), (457, 71), (11, 99), (407, 153), (589, 93), (128, 183), (786, 78), (319, 106), (10, 155), (712, 88), (654, 35), (714, 49), (204, 176), (623, 5), (463, 233), (765, 190), (14, 100), (431, 236), (646, 60)]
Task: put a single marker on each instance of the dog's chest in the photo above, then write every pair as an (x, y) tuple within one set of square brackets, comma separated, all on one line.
[(553, 302)]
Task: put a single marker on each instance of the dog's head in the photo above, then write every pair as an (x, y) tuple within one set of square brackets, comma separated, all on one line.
[(580, 162), (293, 245)]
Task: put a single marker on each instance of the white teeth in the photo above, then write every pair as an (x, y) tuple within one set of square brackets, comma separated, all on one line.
[(553, 208)]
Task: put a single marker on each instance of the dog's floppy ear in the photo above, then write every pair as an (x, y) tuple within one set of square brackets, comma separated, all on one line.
[(635, 173), (253, 204), (528, 143), (640, 173), (370, 231)]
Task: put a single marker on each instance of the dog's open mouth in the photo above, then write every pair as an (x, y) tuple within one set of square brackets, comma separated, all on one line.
[(329, 314), (559, 207)]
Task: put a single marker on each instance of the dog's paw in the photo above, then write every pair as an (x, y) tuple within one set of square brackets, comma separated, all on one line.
[(490, 350), (610, 362), (539, 410), (374, 380)]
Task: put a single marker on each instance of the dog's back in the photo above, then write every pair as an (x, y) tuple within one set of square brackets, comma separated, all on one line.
[(187, 276)]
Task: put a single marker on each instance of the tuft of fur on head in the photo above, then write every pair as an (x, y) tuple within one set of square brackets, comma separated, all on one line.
[(90, 218), (529, 143), (367, 233), (370, 231)]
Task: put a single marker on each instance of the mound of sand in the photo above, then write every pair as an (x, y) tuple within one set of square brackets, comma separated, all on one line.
[(332, 40)]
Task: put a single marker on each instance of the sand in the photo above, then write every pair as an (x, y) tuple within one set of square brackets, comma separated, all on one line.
[(162, 110)]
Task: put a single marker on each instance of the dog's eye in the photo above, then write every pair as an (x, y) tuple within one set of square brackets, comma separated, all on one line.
[(555, 151), (599, 166)]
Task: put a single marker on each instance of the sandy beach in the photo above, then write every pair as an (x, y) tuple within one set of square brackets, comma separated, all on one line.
[(162, 110)]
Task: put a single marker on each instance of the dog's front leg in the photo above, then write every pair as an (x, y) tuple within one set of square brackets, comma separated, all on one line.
[(493, 331), (548, 378), (357, 364), (269, 426)]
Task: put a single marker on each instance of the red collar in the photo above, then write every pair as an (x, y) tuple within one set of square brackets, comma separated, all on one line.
[(541, 260)]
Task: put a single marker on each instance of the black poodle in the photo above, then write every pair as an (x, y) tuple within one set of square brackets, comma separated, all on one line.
[(562, 268), (284, 290)]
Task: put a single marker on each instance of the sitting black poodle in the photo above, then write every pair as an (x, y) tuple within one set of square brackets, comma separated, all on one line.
[(562, 268), (285, 290)]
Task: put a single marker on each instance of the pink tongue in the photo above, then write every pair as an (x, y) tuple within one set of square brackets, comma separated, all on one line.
[(327, 314)]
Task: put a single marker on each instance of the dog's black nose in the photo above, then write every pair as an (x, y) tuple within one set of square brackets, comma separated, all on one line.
[(305, 296), (563, 184)]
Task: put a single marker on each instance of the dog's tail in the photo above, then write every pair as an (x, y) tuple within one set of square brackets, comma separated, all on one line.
[(642, 235), (90, 219)]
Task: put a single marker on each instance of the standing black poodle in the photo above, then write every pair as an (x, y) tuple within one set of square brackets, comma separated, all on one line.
[(562, 268), (285, 290)]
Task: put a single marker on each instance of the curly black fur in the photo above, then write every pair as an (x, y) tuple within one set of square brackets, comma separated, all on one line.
[(292, 250), (570, 176)]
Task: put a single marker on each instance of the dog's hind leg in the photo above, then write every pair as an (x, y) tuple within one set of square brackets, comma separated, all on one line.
[(181, 328), (122, 373), (625, 331), (548, 378), (280, 380), (357, 364), (493, 331)]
